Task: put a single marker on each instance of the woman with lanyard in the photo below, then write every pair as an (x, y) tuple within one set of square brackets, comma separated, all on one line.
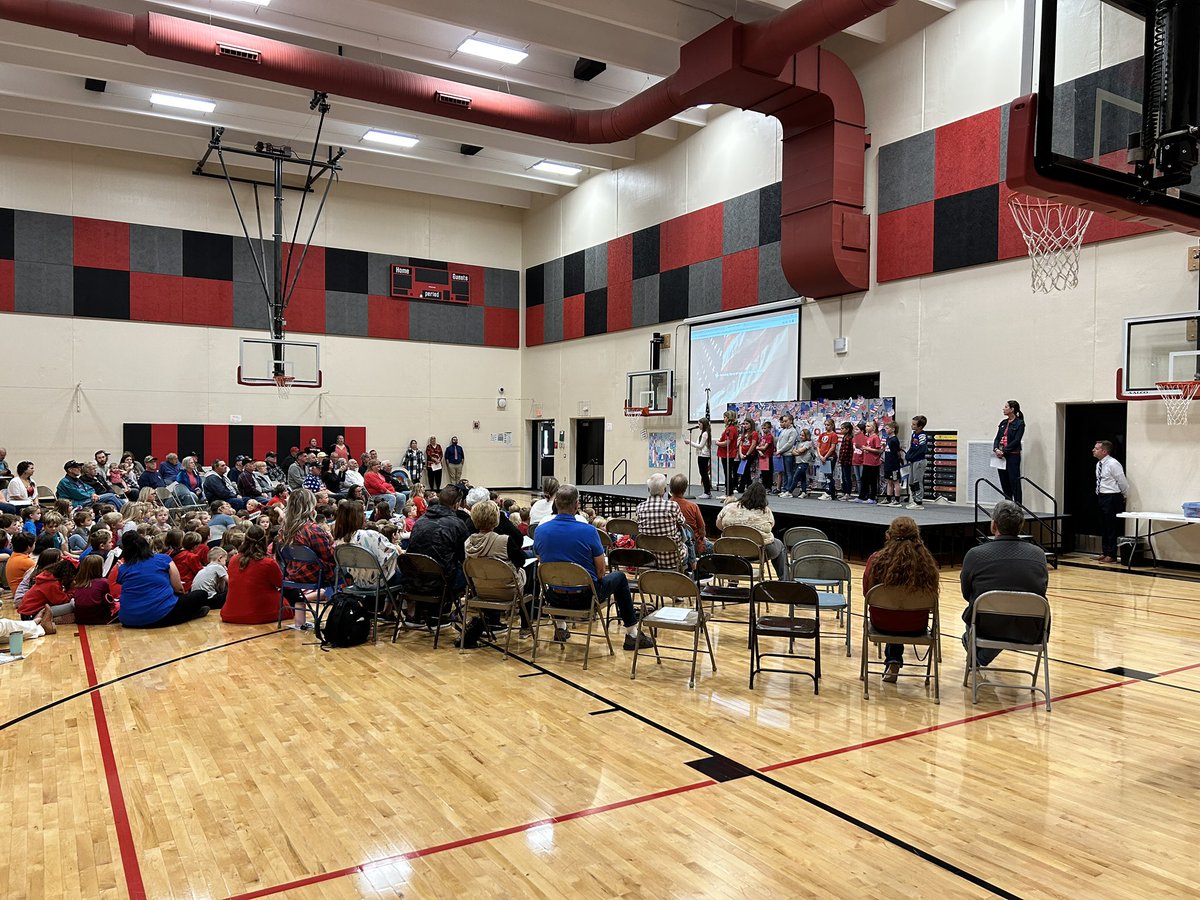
[(703, 445), (727, 451), (1007, 447), (747, 454)]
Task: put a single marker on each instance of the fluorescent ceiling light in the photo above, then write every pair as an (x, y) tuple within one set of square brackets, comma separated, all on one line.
[(258, 2), (703, 106), (391, 139), (492, 51), (179, 102), (553, 168)]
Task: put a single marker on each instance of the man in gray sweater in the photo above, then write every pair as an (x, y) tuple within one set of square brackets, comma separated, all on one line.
[(1005, 563)]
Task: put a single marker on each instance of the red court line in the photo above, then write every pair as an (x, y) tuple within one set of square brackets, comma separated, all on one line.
[(466, 842), (129, 859), (634, 801)]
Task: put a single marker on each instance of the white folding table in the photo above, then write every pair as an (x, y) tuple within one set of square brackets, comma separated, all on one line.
[(1179, 520)]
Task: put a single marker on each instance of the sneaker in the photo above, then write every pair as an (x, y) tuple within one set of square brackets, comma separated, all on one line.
[(642, 641), (786, 495), (891, 671), (914, 506), (561, 635), (855, 500), (525, 634), (308, 626), (704, 497), (824, 497), (869, 502), (202, 612)]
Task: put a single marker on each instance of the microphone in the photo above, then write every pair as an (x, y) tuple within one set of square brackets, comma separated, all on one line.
[(693, 427)]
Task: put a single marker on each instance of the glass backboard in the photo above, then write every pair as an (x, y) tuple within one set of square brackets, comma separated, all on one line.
[(1157, 349)]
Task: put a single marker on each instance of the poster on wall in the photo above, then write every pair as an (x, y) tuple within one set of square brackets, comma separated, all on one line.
[(662, 449), (811, 414)]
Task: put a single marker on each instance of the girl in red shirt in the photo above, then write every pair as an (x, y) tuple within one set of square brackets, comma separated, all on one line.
[(747, 454), (766, 455), (727, 451), (826, 448)]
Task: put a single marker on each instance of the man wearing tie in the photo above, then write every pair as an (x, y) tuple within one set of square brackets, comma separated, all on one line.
[(1111, 488)]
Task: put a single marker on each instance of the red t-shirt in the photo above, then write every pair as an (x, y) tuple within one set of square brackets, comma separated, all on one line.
[(253, 594), (748, 446), (376, 484), (730, 436), (826, 443), (766, 449), (188, 564), (872, 450)]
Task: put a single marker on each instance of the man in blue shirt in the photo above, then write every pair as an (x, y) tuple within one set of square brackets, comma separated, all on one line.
[(454, 459), (564, 538)]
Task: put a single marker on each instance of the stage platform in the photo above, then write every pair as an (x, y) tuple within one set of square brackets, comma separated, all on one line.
[(948, 529)]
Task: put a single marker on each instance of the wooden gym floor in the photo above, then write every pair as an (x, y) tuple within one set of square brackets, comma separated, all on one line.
[(213, 760)]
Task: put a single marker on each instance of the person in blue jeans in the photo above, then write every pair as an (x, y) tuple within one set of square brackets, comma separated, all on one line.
[(918, 447), (1007, 446), (563, 538), (785, 449)]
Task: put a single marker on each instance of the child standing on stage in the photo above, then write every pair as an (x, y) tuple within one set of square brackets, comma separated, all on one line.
[(766, 455), (703, 445), (747, 454), (727, 451), (860, 440), (893, 459), (872, 452), (846, 460), (785, 449), (918, 446), (827, 442)]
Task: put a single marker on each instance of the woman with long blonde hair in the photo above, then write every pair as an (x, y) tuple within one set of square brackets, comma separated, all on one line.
[(903, 561), (300, 528)]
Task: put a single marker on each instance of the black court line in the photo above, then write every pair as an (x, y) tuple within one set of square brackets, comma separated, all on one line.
[(103, 684), (531, 674), (925, 855), (599, 712)]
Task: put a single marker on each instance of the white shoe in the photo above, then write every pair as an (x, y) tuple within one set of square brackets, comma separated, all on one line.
[(705, 497), (914, 506), (786, 495), (824, 497)]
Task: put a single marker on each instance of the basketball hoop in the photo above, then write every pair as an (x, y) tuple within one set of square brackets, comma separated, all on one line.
[(284, 384), (635, 417), (1177, 396), (1053, 233)]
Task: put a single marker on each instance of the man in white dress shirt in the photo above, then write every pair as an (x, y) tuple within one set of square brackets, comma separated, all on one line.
[(1111, 489)]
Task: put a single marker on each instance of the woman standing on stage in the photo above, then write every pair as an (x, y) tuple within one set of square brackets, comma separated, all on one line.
[(1007, 446), (727, 450), (747, 450), (703, 445)]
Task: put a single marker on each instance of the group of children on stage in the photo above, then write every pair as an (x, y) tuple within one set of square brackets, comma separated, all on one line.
[(847, 461)]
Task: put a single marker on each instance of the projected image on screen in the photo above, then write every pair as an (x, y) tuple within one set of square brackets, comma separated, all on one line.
[(753, 358)]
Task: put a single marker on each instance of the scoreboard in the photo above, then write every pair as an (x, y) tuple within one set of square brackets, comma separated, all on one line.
[(428, 280)]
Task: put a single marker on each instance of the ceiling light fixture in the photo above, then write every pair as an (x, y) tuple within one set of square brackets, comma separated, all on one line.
[(180, 102), (257, 2), (492, 51), (554, 168), (703, 105), (392, 139)]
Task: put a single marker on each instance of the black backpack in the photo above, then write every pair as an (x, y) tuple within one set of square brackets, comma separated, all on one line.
[(346, 624)]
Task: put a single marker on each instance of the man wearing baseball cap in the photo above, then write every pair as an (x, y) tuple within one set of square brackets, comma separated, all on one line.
[(72, 487)]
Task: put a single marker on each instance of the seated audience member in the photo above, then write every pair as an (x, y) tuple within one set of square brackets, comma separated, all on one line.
[(333, 471), (49, 588), (440, 534), (544, 508), (351, 475), (1005, 563), (274, 472), (262, 480), (751, 509), (397, 478), (83, 519), (694, 536), (564, 538), (514, 540), (296, 471), (31, 520), (279, 495), (75, 489), (44, 556), (152, 593), (217, 486), (247, 484), (55, 527), (312, 477), (378, 487), (419, 502), (350, 527), (254, 582), (526, 520), (195, 540), (21, 560), (487, 543), (21, 490), (150, 477), (90, 594), (122, 480), (300, 528), (904, 561), (410, 516), (189, 477), (168, 469), (185, 561), (100, 542), (40, 625), (4, 461), (657, 515), (212, 579)]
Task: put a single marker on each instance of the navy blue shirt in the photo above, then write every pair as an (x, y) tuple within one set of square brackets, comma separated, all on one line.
[(917, 446), (454, 454), (891, 456), (565, 539)]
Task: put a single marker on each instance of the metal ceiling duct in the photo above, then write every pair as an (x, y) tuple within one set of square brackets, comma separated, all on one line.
[(772, 66)]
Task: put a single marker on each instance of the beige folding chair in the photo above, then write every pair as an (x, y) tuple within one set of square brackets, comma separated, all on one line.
[(745, 532), (1009, 620), (45, 495), (791, 627), (660, 545), (492, 584), (554, 575), (616, 527), (834, 584), (814, 547), (901, 599), (793, 536), (691, 617), (605, 541)]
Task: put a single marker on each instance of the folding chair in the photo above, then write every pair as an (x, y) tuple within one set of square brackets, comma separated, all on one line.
[(993, 613), (616, 527), (834, 585), (676, 586), (553, 576), (492, 584), (605, 540), (658, 545), (733, 569), (633, 562), (900, 599), (814, 547), (745, 532), (298, 553), (790, 627), (44, 494), (423, 582), (171, 501), (352, 560), (793, 536)]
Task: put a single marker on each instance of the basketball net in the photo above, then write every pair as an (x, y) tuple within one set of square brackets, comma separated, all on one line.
[(284, 385), (1053, 233), (1177, 397), (635, 418)]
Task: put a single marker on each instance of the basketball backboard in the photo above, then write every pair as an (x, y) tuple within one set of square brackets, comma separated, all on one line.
[(260, 360), (1159, 349), (1107, 129), (652, 391)]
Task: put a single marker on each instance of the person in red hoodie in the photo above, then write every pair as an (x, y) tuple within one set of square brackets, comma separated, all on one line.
[(254, 582), (185, 561), (379, 488), (50, 589)]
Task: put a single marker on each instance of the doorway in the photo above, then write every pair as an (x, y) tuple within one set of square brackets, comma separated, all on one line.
[(543, 452), (589, 451), (1083, 425)]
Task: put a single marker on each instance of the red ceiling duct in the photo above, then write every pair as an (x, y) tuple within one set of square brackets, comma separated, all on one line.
[(771, 66)]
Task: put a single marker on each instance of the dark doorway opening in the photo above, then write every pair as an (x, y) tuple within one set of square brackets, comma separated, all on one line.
[(543, 452), (589, 451), (1084, 424), (843, 387)]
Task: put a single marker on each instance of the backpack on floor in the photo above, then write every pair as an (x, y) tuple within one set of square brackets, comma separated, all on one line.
[(346, 624)]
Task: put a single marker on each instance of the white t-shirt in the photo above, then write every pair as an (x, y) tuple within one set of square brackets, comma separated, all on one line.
[(353, 477), (208, 579), (16, 494), (540, 511)]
